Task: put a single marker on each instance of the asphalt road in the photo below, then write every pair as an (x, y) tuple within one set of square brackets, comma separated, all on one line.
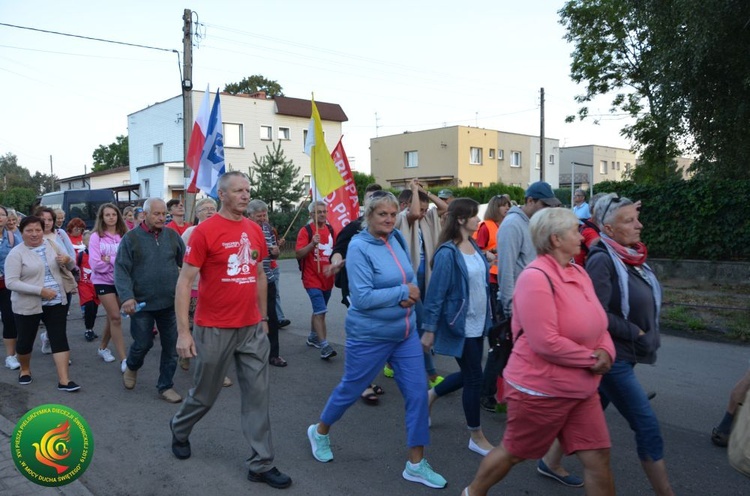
[(132, 440)]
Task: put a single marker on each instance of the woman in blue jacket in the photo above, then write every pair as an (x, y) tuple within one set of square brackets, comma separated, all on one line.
[(380, 327), (457, 312)]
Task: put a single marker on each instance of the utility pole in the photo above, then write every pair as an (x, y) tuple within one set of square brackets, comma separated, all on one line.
[(187, 105), (541, 136), (51, 176)]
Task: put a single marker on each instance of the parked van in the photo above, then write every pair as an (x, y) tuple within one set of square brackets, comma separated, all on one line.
[(81, 203)]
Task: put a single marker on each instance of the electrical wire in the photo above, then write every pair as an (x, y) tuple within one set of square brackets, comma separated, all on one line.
[(90, 38)]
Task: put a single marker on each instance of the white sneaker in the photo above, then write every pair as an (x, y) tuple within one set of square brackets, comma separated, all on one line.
[(46, 348), (123, 365), (11, 362), (106, 355)]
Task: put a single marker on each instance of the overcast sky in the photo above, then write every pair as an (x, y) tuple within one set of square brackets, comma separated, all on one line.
[(415, 64)]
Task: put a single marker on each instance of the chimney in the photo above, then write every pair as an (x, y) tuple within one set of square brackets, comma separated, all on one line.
[(260, 95)]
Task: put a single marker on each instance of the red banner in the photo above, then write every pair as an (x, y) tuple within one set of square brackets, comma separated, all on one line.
[(343, 204)]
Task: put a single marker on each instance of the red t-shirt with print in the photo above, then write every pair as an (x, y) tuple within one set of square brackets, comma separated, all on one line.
[(180, 229), (229, 254), (312, 278)]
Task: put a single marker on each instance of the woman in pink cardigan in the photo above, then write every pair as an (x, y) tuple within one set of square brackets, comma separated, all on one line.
[(562, 349)]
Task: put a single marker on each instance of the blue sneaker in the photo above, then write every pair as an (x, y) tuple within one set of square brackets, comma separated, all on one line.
[(569, 480), (320, 443), (312, 340), (424, 474)]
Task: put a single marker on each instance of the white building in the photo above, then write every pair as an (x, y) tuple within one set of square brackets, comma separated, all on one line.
[(250, 124)]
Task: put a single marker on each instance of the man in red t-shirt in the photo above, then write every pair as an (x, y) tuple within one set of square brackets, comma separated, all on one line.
[(177, 210), (314, 249), (227, 251)]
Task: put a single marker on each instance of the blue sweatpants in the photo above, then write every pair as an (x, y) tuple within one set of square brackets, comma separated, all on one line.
[(364, 361)]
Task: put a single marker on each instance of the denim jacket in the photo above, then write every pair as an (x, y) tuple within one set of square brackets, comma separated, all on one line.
[(447, 300)]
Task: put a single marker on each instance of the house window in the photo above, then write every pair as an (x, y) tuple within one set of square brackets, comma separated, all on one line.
[(491, 153), (538, 161), (500, 154), (627, 166), (233, 135), (617, 165), (284, 133), (552, 160), (475, 155), (158, 153), (515, 159), (304, 138), (411, 159), (475, 185), (146, 188), (306, 182), (602, 167), (266, 133)]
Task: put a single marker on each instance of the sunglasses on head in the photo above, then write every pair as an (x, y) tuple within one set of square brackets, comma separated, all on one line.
[(615, 199)]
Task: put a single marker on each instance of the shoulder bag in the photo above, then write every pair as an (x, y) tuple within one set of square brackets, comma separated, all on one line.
[(70, 284)]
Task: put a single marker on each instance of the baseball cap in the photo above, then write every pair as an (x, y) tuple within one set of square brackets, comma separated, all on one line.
[(541, 190), (444, 194)]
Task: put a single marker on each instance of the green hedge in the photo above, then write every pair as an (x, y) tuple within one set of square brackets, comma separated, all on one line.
[(694, 219)]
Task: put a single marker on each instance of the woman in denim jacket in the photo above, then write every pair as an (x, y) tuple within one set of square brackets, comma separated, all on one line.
[(458, 312)]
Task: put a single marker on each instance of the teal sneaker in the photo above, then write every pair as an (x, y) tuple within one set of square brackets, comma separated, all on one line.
[(320, 443), (424, 474)]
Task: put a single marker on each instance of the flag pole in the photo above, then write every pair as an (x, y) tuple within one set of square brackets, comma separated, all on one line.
[(291, 224), (315, 188)]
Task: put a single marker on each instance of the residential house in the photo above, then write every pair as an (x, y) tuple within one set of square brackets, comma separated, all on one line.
[(585, 166), (250, 124), (462, 156)]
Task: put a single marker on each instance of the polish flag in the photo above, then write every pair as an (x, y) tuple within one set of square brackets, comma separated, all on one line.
[(198, 141)]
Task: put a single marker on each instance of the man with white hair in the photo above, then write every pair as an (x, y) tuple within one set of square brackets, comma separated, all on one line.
[(314, 249), (146, 269)]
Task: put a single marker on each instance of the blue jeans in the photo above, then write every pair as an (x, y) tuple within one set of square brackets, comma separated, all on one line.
[(429, 364), (621, 387), (141, 327), (469, 378), (363, 362)]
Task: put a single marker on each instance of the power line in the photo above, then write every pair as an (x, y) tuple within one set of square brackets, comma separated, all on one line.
[(89, 38)]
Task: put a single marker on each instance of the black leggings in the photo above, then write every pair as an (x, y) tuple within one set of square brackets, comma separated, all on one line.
[(90, 308), (9, 323), (55, 318)]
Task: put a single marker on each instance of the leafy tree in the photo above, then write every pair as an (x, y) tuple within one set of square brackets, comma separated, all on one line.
[(714, 78), (619, 49), (111, 156), (253, 84), (273, 179), (20, 199), (361, 180), (13, 176)]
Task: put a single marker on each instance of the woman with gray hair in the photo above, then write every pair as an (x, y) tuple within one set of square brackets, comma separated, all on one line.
[(631, 295), (381, 325), (561, 351)]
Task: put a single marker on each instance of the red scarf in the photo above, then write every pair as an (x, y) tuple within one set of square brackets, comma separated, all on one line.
[(635, 256)]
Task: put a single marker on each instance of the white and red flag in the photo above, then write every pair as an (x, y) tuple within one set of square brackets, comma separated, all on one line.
[(206, 149), (343, 203)]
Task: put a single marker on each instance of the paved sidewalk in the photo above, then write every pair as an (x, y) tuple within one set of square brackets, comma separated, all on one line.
[(12, 483)]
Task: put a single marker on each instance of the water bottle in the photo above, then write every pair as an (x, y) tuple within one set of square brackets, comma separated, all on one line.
[(138, 308)]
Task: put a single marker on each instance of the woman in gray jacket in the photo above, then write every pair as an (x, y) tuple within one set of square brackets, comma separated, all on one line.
[(33, 273)]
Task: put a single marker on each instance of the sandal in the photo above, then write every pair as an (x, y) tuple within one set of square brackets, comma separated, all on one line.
[(377, 389), (277, 362), (369, 396)]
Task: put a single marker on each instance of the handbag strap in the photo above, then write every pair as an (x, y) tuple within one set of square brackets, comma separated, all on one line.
[(551, 286)]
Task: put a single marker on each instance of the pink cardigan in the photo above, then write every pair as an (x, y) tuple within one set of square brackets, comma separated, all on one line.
[(560, 331)]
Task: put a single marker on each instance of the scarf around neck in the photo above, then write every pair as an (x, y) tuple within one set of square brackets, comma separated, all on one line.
[(635, 257)]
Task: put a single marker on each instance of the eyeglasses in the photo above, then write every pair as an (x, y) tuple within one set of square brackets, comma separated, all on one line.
[(206, 209), (614, 199)]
